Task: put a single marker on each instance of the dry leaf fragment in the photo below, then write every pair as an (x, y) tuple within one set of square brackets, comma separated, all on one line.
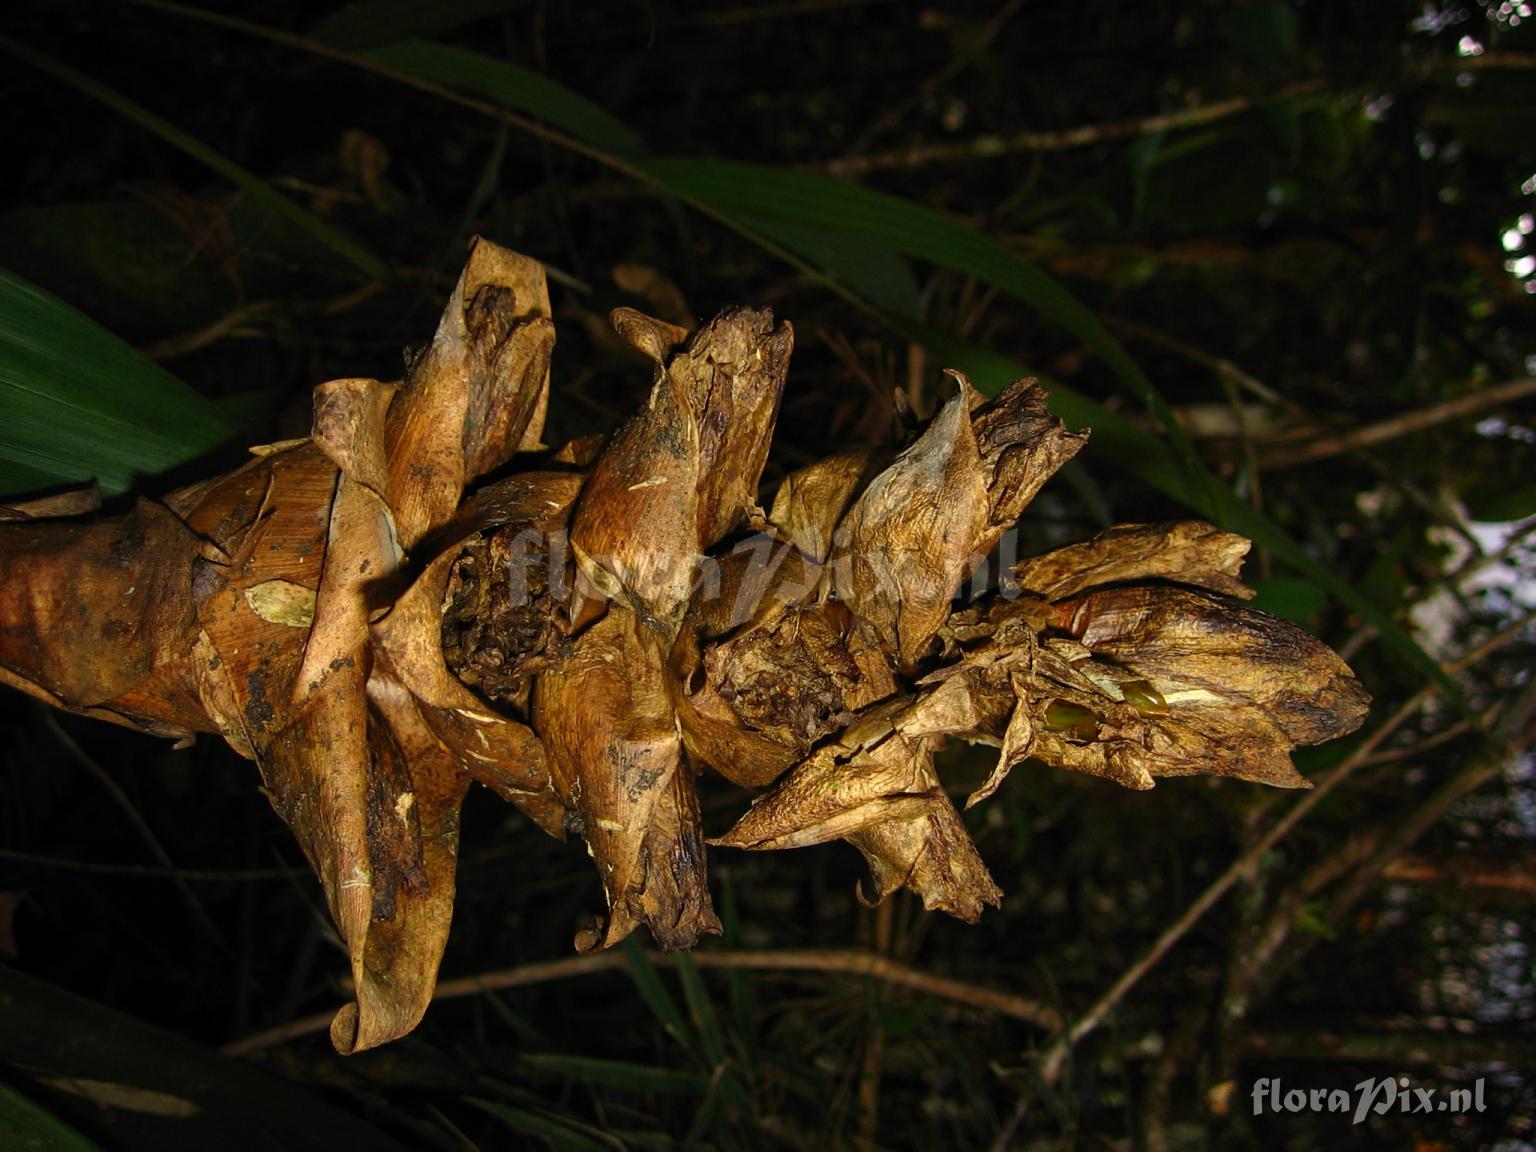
[(812, 500), (921, 526), (245, 605), (1194, 642), (1136, 682), (616, 758), (666, 487), (342, 614), (99, 617), (877, 788), (1183, 552), (684, 471), (905, 545)]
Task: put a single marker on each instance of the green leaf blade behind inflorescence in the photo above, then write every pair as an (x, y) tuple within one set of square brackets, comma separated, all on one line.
[(81, 405)]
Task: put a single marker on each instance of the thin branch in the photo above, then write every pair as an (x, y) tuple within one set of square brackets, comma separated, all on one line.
[(843, 962), (1403, 424), (139, 824), (1419, 747), (1512, 735), (1091, 1019), (233, 323), (1219, 365), (1397, 1047), (991, 146), (1054, 1056), (1482, 872), (1493, 61)]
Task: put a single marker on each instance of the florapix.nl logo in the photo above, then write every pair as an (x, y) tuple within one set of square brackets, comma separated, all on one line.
[(1369, 1097)]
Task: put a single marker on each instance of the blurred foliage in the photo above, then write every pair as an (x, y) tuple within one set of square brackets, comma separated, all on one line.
[(1347, 248)]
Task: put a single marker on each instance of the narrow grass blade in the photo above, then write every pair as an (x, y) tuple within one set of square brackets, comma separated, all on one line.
[(702, 1009), (561, 1137), (508, 86), (648, 983), (343, 245), (156, 1091), (640, 1078)]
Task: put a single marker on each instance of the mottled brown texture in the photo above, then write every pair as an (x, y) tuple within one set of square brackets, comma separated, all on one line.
[(251, 604), (917, 531), (616, 759), (348, 612), (1182, 551), (876, 787), (684, 471)]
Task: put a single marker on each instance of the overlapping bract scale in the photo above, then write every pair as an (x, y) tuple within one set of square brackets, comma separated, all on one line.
[(378, 625)]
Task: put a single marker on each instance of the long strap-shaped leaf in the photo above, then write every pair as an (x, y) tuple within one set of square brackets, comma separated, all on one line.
[(343, 245), (773, 196), (512, 87), (80, 404)]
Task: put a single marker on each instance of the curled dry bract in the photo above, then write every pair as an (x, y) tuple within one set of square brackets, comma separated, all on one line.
[(586, 636)]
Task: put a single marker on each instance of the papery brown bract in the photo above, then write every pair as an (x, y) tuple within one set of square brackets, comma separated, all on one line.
[(916, 532), (1133, 682), (1182, 551), (668, 485), (683, 472), (877, 788), (616, 756), (249, 602), (585, 638)]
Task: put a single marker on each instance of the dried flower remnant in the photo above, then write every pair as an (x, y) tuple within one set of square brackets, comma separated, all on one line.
[(922, 524), (673, 481), (590, 632), (248, 605)]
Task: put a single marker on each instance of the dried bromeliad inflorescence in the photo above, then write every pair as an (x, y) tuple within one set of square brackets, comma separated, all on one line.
[(589, 633)]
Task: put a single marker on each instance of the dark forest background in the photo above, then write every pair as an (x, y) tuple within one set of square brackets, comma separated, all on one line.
[(1308, 226)]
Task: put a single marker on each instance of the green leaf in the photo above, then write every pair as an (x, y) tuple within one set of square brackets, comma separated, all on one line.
[(516, 89), (878, 274), (561, 1136), (123, 262), (24, 1127), (366, 24), (654, 993), (643, 1078), (704, 1118), (702, 1009), (1299, 601), (343, 245), (82, 405), (157, 1091), (781, 204), (739, 983)]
